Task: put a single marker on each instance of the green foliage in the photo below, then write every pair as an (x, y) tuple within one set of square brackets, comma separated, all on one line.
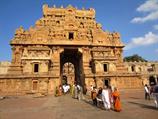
[(134, 58)]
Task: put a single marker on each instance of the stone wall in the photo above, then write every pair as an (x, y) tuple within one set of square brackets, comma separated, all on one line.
[(142, 67), (15, 86), (65, 35), (24, 86), (146, 69), (4, 67)]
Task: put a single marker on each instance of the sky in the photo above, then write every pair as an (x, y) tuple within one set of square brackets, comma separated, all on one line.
[(135, 20)]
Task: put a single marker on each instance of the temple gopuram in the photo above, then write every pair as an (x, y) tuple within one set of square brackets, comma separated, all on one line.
[(66, 45)]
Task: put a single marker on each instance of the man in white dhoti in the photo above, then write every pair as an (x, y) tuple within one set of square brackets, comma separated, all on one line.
[(106, 98)]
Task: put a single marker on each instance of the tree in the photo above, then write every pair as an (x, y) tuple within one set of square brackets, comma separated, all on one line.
[(134, 58)]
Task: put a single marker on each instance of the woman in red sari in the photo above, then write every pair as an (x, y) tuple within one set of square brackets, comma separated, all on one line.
[(116, 100)]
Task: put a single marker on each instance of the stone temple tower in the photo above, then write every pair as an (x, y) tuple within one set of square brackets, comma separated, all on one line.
[(66, 45)]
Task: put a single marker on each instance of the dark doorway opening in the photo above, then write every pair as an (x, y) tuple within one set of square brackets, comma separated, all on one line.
[(106, 82), (71, 66), (71, 36), (152, 80), (36, 68)]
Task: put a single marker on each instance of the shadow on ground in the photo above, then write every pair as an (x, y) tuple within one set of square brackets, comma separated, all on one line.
[(99, 106), (143, 105), (135, 98)]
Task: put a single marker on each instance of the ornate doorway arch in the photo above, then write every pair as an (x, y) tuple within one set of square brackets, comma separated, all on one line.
[(68, 73), (71, 66)]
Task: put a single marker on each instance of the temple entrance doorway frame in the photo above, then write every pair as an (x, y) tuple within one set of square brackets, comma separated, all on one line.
[(71, 66)]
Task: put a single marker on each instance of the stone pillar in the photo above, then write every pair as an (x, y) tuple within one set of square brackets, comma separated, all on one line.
[(15, 67), (86, 61), (55, 64)]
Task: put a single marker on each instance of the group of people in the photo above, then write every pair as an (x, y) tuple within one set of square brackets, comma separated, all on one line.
[(75, 90), (151, 91), (106, 96), (62, 89)]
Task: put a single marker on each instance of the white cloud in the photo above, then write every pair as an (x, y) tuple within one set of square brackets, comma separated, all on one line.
[(150, 7), (150, 17), (147, 39), (155, 27)]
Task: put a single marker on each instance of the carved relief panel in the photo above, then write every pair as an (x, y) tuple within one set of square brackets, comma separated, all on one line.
[(27, 66), (28, 53)]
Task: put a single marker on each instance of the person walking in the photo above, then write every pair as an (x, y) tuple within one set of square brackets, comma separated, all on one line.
[(99, 97), (75, 91), (147, 92), (94, 96), (79, 92), (106, 98), (116, 100)]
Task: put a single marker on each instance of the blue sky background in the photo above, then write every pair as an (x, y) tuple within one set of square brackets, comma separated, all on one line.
[(135, 20)]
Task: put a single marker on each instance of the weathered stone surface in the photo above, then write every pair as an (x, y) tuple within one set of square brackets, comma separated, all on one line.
[(4, 67), (66, 42)]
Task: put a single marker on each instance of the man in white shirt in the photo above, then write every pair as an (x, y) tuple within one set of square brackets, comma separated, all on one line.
[(106, 98), (147, 92)]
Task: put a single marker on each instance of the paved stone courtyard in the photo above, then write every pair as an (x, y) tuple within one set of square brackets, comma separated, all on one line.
[(29, 107)]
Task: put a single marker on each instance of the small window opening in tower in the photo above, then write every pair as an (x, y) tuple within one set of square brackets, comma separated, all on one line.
[(105, 68), (36, 67), (58, 22), (71, 35), (133, 69)]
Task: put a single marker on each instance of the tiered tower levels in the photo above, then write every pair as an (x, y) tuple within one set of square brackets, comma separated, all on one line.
[(57, 24)]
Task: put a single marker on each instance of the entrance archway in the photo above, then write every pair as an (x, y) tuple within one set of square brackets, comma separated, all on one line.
[(68, 73), (152, 80), (71, 66)]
